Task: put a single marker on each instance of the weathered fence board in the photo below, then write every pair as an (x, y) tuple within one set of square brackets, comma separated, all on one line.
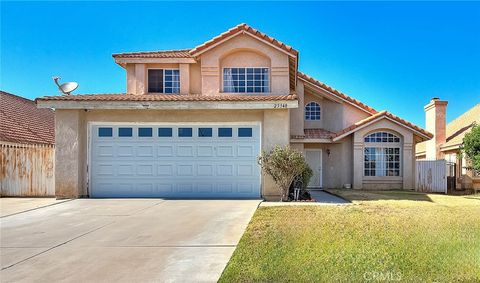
[(431, 176), (27, 170)]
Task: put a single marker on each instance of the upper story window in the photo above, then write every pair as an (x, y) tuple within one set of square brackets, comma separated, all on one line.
[(312, 111), (164, 80), (249, 80)]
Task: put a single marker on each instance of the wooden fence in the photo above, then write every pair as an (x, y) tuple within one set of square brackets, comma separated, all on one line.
[(27, 170), (431, 176)]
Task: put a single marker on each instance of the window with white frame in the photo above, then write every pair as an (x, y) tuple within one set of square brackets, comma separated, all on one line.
[(249, 80), (164, 80), (382, 155), (312, 111)]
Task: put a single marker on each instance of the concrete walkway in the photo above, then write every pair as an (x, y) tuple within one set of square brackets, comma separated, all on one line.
[(123, 240), (12, 205), (326, 198)]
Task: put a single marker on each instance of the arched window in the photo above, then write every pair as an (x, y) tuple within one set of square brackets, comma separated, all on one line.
[(382, 137), (382, 154), (312, 111)]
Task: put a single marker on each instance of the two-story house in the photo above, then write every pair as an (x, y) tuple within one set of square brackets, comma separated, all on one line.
[(192, 123)]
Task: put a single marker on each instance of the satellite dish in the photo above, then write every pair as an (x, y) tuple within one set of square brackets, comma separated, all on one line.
[(65, 88)]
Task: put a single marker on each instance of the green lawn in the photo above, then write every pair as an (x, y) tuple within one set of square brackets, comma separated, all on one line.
[(397, 236)]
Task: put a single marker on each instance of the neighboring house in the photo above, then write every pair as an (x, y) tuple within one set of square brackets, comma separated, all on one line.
[(193, 122), (447, 141), (26, 147)]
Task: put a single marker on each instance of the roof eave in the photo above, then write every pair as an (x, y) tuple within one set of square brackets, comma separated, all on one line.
[(166, 105), (423, 136), (338, 97)]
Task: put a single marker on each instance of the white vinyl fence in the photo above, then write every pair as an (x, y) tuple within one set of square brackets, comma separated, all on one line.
[(27, 170), (431, 176)]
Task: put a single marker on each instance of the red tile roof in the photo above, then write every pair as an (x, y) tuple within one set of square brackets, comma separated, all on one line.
[(315, 134), (250, 30), (336, 92), (181, 53), (22, 122), (165, 97), (383, 113)]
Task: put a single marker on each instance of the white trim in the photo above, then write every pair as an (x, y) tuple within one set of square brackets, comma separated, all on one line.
[(311, 141), (331, 93), (376, 120), (174, 105), (234, 35)]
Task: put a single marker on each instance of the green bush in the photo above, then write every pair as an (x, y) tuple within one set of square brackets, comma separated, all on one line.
[(471, 147), (283, 164)]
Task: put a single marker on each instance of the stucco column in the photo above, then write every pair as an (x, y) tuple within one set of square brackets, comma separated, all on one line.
[(408, 166), (131, 82), (276, 131), (140, 78), (69, 142), (184, 78), (357, 163)]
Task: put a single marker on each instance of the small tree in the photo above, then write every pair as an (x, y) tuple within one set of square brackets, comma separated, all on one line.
[(471, 147), (283, 164)]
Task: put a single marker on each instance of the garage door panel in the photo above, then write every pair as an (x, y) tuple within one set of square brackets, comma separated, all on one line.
[(144, 151), (173, 166), (165, 151)]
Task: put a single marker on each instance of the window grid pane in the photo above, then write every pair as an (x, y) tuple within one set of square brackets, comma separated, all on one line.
[(125, 132), (380, 161), (105, 132), (204, 132), (184, 132), (155, 80), (382, 137), (312, 111), (145, 132), (164, 80), (164, 132), (246, 80)]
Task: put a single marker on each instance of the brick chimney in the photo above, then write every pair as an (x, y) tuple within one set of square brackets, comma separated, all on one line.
[(435, 117)]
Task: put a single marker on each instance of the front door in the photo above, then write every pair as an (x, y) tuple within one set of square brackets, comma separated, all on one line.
[(314, 160)]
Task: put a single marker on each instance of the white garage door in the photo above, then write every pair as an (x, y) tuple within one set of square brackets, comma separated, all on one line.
[(178, 161)]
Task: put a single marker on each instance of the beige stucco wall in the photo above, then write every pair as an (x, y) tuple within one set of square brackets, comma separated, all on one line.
[(337, 167), (70, 153), (297, 122), (195, 79), (335, 115), (407, 178), (71, 138)]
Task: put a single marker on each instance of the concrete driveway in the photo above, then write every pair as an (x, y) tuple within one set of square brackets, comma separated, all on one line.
[(127, 240)]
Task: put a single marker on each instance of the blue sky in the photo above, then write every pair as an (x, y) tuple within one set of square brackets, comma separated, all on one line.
[(393, 56)]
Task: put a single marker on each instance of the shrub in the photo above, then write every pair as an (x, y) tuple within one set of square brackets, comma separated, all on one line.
[(471, 147), (283, 164)]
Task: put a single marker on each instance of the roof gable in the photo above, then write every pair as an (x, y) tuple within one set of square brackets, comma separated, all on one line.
[(243, 29), (377, 117)]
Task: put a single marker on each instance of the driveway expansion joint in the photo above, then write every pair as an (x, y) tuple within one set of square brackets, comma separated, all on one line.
[(56, 246)]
